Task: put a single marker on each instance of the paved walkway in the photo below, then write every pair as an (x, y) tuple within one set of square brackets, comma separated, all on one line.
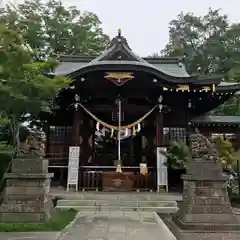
[(28, 236), (116, 225), (111, 225)]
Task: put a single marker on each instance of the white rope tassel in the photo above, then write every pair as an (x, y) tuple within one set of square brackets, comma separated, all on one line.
[(139, 127), (98, 126), (126, 132)]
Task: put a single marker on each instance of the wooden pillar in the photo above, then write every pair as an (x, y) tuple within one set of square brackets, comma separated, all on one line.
[(159, 142), (76, 125), (159, 129), (76, 128), (131, 150)]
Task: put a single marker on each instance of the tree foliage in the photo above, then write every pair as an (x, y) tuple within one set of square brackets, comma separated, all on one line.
[(24, 86), (226, 152), (178, 155), (49, 28), (209, 43), (210, 46)]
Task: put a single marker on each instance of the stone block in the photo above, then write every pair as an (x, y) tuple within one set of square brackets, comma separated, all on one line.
[(29, 165), (207, 218), (202, 192), (28, 182), (25, 199), (26, 196)]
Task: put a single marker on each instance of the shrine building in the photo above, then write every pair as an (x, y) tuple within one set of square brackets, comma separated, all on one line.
[(120, 105)]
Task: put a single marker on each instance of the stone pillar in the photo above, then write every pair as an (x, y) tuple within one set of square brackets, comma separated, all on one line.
[(26, 196), (205, 208)]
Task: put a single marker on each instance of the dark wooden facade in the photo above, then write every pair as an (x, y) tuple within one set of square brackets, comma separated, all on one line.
[(183, 97)]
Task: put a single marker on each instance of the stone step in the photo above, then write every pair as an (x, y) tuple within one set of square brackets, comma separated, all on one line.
[(118, 196), (164, 207), (64, 202), (160, 210)]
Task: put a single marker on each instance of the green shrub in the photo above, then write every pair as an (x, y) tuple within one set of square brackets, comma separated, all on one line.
[(178, 155), (59, 220), (226, 152)]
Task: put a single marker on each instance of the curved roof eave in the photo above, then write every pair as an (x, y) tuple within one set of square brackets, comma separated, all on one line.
[(130, 66), (228, 86)]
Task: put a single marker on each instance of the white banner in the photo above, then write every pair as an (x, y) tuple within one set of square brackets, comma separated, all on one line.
[(162, 170), (73, 166)]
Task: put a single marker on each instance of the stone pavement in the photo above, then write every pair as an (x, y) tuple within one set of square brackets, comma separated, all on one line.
[(116, 225), (109, 225), (28, 236)]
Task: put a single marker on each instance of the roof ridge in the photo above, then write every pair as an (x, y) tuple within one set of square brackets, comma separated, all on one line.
[(78, 58)]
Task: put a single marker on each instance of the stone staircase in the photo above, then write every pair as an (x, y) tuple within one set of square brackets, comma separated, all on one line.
[(164, 204)]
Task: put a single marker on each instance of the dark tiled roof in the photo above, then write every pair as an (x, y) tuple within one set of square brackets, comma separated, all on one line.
[(171, 66), (119, 56), (211, 119)]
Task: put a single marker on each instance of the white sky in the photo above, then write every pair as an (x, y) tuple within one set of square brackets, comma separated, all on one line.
[(145, 22)]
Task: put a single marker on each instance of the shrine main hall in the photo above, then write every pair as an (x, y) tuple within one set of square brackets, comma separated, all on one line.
[(120, 109)]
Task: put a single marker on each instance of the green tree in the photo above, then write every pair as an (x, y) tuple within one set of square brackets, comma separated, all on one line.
[(24, 88), (178, 155), (49, 28), (210, 45), (226, 152)]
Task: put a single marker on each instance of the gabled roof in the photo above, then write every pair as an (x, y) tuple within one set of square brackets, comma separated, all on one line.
[(119, 54), (170, 66), (119, 57)]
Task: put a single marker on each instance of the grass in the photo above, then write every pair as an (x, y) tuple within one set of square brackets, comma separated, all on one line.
[(60, 219)]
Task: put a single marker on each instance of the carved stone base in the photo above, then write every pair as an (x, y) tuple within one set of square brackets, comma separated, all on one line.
[(205, 199), (26, 196), (204, 234), (205, 212)]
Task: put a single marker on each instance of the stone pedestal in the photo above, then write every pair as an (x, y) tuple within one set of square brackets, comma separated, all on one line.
[(205, 203), (205, 212), (26, 196)]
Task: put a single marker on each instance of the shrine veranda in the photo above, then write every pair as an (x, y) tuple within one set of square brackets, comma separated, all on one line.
[(153, 101)]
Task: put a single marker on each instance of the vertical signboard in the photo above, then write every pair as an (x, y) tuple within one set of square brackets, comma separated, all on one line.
[(162, 170), (73, 166)]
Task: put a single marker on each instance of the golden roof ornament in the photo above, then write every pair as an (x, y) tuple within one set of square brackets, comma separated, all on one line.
[(119, 32)]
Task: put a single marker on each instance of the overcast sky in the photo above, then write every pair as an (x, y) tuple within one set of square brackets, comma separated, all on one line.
[(145, 22)]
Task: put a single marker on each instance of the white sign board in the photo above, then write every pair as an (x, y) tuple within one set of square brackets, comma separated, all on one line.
[(73, 166), (162, 170)]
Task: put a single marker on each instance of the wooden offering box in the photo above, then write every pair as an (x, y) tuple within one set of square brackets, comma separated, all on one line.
[(118, 182)]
